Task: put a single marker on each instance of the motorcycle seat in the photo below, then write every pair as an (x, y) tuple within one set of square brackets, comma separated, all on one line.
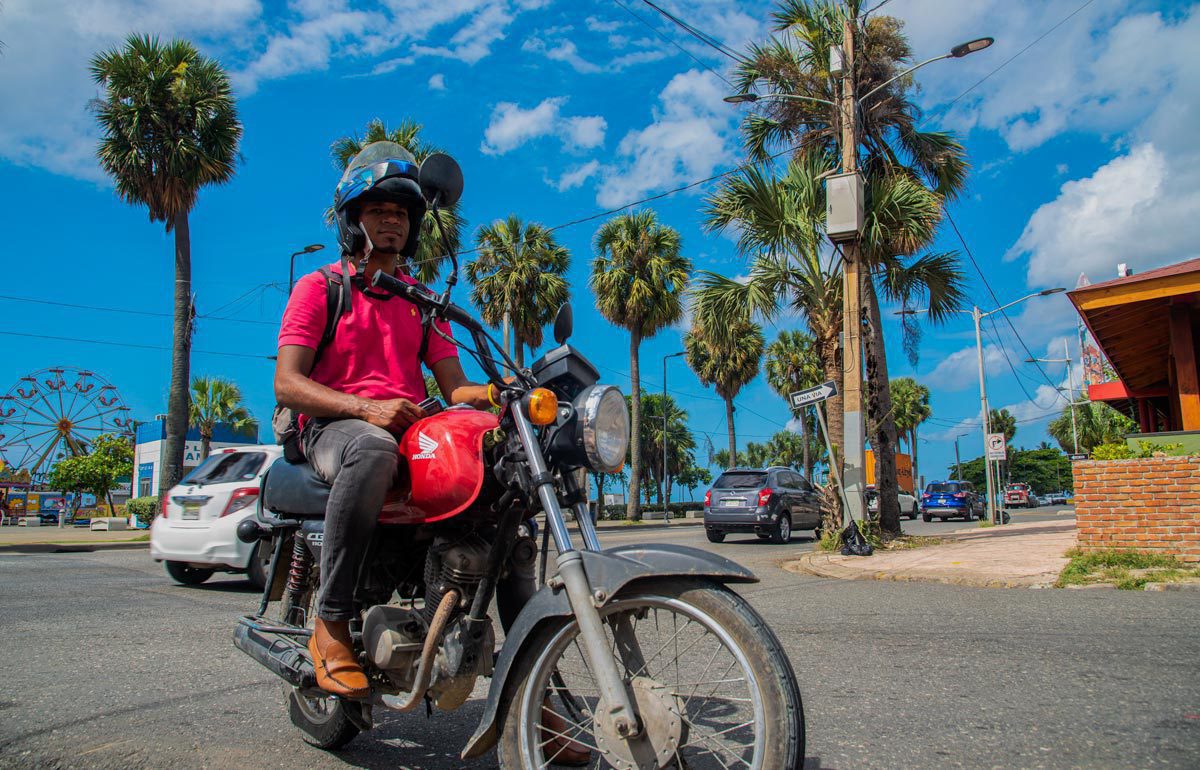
[(294, 490)]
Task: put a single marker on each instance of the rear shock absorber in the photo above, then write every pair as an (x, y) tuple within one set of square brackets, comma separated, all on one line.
[(299, 570)]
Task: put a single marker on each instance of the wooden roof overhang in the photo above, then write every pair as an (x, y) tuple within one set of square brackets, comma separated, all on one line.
[(1130, 320)]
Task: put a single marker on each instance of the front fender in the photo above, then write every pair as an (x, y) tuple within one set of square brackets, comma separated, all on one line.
[(608, 571)]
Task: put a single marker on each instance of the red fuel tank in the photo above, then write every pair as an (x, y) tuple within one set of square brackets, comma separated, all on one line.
[(443, 455)]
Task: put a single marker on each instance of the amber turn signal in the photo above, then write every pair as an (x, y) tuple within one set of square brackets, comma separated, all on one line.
[(543, 406)]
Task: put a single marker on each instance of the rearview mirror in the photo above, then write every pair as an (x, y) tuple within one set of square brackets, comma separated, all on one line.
[(563, 324), (441, 179)]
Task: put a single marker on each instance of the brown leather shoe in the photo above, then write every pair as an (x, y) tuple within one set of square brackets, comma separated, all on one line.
[(333, 657), (559, 749)]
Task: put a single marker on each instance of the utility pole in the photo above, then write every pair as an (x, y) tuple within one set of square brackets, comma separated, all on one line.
[(986, 420), (854, 449), (1071, 395), (957, 463), (663, 492)]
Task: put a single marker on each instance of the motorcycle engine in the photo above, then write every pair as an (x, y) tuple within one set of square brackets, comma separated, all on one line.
[(393, 637)]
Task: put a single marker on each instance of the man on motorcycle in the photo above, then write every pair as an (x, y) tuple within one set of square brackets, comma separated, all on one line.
[(363, 391)]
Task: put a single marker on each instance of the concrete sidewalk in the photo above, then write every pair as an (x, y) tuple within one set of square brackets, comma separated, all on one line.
[(1025, 555)]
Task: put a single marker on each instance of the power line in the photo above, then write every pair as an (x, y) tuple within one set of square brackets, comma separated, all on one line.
[(685, 51), (703, 37), (126, 310), (130, 345), (1009, 60)]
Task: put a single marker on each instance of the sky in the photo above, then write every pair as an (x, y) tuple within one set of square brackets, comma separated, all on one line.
[(1079, 123)]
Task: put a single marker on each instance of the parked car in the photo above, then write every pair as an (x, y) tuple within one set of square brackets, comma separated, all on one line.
[(195, 535), (1060, 498), (770, 502), (1045, 500), (908, 504), (1019, 495), (951, 499)]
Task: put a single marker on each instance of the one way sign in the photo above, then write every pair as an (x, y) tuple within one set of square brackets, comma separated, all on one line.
[(812, 395)]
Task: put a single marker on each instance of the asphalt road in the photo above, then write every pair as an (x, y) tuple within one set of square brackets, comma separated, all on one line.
[(111, 665)]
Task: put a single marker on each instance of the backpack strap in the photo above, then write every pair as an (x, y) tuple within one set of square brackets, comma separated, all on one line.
[(336, 306)]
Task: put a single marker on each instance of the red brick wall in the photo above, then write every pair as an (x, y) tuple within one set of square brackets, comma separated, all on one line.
[(1150, 504)]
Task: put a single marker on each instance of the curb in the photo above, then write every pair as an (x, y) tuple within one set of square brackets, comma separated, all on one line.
[(657, 525), (72, 547), (819, 564)]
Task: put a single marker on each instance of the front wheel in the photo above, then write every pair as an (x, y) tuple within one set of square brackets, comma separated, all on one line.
[(711, 682)]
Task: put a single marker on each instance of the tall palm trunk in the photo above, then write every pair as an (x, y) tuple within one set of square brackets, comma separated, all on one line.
[(913, 447), (599, 496), (177, 401), (879, 412), (205, 445), (632, 506), (732, 437)]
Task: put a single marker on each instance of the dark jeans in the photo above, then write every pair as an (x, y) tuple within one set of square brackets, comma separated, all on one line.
[(359, 461)]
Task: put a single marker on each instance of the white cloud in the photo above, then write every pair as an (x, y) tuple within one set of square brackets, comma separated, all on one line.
[(1136, 209), (511, 126), (577, 176), (437, 82), (566, 51), (960, 369), (46, 85), (693, 133), (599, 25)]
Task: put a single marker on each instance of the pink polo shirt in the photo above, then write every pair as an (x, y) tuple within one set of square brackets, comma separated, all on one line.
[(374, 352)]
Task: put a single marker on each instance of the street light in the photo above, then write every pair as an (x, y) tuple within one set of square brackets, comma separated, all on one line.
[(750, 98), (309, 249), (1070, 388), (957, 52), (979, 315), (663, 493)]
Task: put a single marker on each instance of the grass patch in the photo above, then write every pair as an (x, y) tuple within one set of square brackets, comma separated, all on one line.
[(908, 542), (1126, 569)]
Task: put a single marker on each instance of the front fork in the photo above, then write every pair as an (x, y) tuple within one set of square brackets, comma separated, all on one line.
[(585, 603)]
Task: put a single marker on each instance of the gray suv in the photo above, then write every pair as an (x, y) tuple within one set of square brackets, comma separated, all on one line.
[(770, 503)]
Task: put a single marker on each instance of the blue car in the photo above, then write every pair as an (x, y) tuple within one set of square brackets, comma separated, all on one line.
[(949, 500)]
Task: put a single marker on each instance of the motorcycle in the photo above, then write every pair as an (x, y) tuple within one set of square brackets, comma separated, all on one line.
[(640, 654)]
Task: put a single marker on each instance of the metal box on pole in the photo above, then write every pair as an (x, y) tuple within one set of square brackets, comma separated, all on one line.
[(844, 206)]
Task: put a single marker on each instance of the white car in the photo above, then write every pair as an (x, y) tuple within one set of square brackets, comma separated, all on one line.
[(908, 504), (195, 535)]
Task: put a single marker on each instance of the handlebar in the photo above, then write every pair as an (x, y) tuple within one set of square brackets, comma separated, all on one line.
[(442, 307)]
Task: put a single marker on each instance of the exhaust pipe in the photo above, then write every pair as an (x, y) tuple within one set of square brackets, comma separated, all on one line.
[(281, 655)]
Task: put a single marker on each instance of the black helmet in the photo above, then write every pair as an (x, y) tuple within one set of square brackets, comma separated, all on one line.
[(381, 171)]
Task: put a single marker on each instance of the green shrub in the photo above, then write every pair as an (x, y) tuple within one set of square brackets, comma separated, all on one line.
[(1122, 451), (678, 511), (1127, 569), (145, 508)]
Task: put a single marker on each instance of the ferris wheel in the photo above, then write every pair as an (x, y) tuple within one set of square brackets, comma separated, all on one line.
[(57, 412)]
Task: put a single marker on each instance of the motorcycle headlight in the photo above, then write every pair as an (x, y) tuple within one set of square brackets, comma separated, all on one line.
[(604, 427)]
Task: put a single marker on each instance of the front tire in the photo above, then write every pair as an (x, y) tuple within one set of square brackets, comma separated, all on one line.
[(759, 716), (185, 574)]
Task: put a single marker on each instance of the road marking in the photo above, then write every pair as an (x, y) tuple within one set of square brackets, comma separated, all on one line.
[(102, 747)]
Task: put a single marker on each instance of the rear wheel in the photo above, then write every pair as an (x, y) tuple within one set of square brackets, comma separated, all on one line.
[(715, 537), (256, 570), (710, 680), (783, 530), (185, 574), (926, 518)]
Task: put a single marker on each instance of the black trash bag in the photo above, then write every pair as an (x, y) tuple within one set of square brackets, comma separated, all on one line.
[(853, 542)]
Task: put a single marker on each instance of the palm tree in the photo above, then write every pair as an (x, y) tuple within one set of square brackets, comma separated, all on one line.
[(216, 400), (680, 442), (639, 277), (793, 450), (1003, 421), (721, 459), (910, 173), (431, 252), (727, 364), (1096, 423), (792, 365), (910, 404), (518, 275), (169, 127)]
